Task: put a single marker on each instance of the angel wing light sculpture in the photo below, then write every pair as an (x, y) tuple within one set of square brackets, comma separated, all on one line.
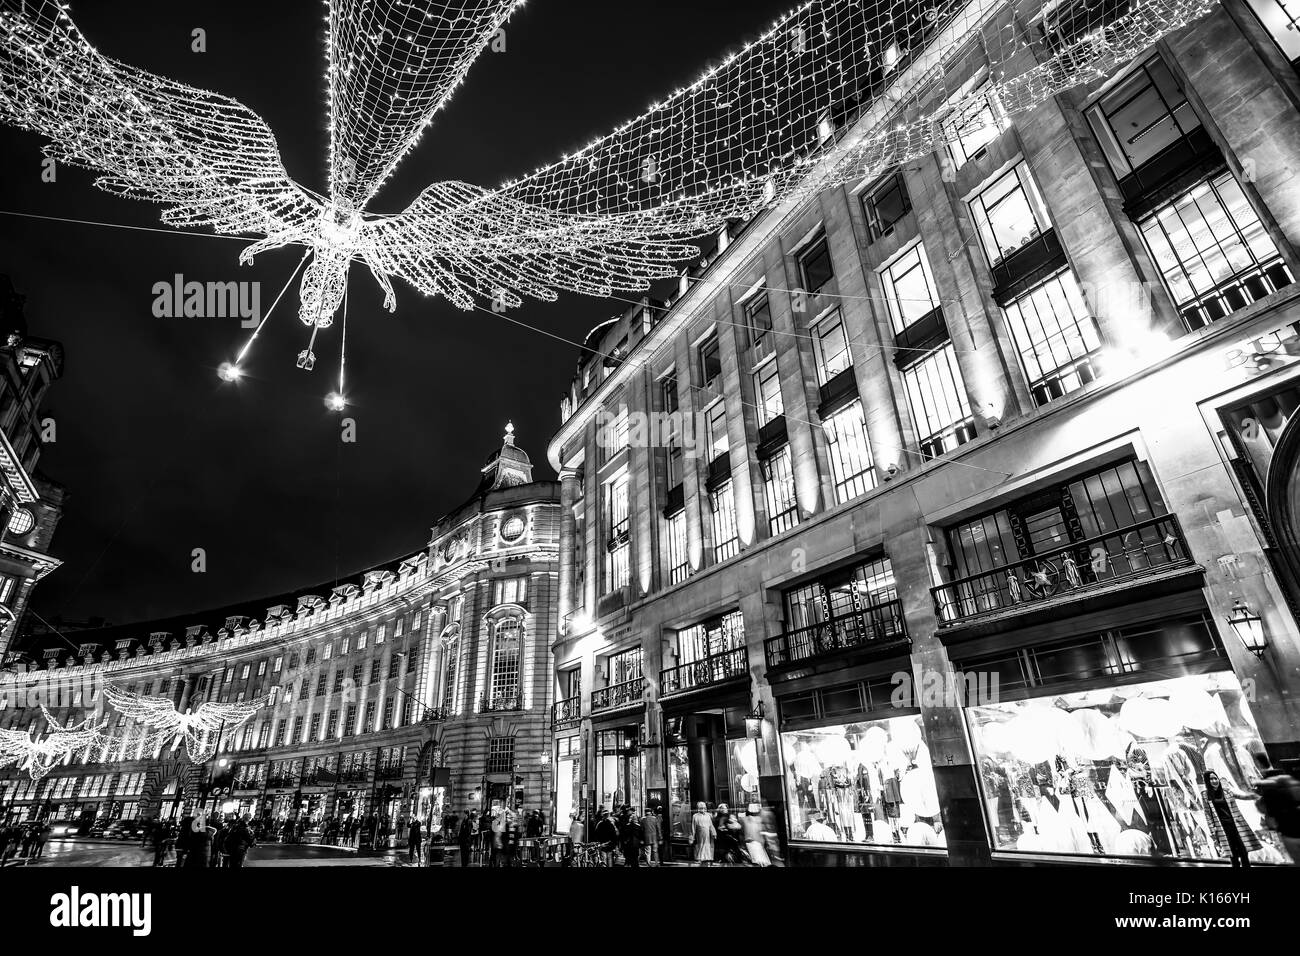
[(758, 129), (200, 728), (39, 754)]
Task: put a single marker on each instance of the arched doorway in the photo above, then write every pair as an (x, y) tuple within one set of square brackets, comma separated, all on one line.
[(1282, 497)]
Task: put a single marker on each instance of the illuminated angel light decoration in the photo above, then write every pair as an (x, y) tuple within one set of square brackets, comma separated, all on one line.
[(38, 755), (199, 728), (764, 126)]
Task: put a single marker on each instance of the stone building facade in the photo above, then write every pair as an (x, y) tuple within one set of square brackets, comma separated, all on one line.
[(951, 515), (420, 688)]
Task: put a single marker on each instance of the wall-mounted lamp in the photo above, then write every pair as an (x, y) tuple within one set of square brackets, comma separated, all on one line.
[(890, 471), (1249, 628), (992, 418), (754, 722)]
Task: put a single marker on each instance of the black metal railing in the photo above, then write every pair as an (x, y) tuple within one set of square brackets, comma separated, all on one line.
[(355, 776), (281, 783), (499, 702), (618, 695), (875, 624), (566, 713), (713, 669), (432, 715), (389, 772), (1095, 563)]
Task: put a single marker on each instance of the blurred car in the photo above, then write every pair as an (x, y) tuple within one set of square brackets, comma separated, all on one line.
[(62, 829), (123, 830)]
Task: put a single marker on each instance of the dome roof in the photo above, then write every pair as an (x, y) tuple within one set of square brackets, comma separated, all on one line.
[(508, 465)]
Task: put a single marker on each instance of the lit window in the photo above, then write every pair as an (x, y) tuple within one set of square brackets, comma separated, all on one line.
[(243, 674), (767, 387), (368, 721), (726, 535), (937, 396), (831, 345), (711, 638), (909, 288), (679, 567), (618, 546), (506, 649), (815, 268), (21, 522), (510, 590), (1056, 337), (1142, 116), (279, 665), (346, 646), (669, 434), (1008, 213), (611, 433), (1281, 18), (388, 715), (778, 491), (1213, 251), (885, 204), (328, 652), (850, 452), (449, 676), (361, 641), (261, 668)]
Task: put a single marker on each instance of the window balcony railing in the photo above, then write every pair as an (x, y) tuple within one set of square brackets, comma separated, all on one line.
[(389, 773), (707, 670), (354, 776), (1097, 563), (566, 713), (879, 623), (281, 783), (499, 702), (618, 695), (433, 715)]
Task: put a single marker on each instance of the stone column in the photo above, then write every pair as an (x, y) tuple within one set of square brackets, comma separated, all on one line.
[(569, 491)]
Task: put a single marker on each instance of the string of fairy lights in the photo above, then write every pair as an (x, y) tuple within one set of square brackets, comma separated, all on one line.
[(836, 91), (156, 725)]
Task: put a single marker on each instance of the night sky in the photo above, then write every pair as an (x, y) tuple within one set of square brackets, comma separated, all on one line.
[(159, 457)]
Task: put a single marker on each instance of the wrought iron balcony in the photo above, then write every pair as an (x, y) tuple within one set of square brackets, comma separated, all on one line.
[(566, 713), (389, 773), (432, 715), (708, 670), (618, 695), (355, 776), (499, 702), (1095, 564), (878, 624), (285, 782)]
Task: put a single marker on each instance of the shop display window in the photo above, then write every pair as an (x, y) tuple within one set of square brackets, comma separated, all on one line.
[(869, 782), (1121, 772)]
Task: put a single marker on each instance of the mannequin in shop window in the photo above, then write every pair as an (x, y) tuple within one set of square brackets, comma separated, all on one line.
[(1231, 834)]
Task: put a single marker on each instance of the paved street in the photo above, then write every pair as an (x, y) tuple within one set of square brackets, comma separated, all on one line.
[(109, 854)]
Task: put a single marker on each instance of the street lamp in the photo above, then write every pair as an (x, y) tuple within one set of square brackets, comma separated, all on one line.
[(1249, 628), (754, 722)]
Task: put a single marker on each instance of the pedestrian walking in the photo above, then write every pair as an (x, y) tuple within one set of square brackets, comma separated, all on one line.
[(184, 838), (465, 838), (1228, 829), (219, 832), (160, 840), (751, 827), (41, 836), (238, 842), (607, 836), (1279, 804), (413, 843), (703, 833), (200, 843), (652, 832), (632, 836)]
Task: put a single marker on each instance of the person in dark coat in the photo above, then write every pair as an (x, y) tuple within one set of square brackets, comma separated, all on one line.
[(607, 836), (218, 844), (413, 843), (632, 837), (184, 839), (161, 837), (200, 843), (238, 842), (465, 838)]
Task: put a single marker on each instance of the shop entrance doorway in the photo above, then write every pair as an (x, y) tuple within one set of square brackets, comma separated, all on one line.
[(708, 759), (620, 768)]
